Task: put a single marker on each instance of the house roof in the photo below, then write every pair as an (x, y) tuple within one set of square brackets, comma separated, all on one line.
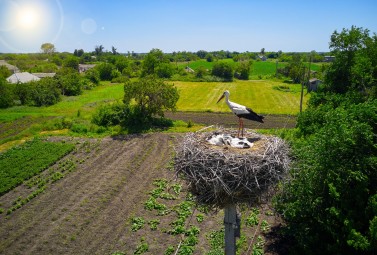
[(44, 75), (22, 78), (9, 66)]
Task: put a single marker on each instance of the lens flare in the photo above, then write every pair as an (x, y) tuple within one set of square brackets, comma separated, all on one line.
[(25, 25), (28, 17)]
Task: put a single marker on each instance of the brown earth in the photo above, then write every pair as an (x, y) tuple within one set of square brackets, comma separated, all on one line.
[(90, 209), (230, 120)]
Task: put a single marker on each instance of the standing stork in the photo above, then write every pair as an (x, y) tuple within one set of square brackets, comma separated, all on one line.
[(241, 111)]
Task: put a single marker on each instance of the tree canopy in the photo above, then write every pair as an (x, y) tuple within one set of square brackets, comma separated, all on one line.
[(48, 48)]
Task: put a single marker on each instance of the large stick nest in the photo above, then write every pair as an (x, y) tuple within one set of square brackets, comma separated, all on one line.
[(221, 175)]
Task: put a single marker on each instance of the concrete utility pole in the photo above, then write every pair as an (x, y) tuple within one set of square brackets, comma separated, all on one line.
[(232, 229)]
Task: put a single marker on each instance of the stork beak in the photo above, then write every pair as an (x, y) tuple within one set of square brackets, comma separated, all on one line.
[(222, 96)]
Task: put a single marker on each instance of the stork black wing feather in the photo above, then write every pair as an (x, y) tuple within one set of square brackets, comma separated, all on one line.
[(252, 116)]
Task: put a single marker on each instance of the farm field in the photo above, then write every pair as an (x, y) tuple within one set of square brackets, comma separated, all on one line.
[(263, 96), (120, 195)]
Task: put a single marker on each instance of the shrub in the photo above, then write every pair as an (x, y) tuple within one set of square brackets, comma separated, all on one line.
[(223, 70), (109, 115)]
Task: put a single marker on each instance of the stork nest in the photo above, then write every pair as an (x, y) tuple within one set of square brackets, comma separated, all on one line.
[(221, 175)]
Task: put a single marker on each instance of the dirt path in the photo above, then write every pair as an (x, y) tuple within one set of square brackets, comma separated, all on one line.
[(229, 120)]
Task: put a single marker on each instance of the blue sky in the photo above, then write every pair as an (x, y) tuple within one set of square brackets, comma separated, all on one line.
[(175, 25)]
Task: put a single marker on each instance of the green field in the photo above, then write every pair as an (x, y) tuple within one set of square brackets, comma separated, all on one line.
[(262, 96), (86, 103), (259, 68)]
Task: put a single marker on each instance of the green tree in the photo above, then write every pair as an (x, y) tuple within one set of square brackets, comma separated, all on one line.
[(355, 64), (105, 71), (98, 50), (4, 72), (48, 48), (243, 70), (72, 62), (223, 70), (93, 76), (45, 92), (201, 71), (152, 96), (6, 95), (70, 84), (151, 61)]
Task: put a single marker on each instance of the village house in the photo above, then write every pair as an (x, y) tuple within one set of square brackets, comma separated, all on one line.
[(23, 77), (85, 67)]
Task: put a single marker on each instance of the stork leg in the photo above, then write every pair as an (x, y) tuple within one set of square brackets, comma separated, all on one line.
[(239, 127)]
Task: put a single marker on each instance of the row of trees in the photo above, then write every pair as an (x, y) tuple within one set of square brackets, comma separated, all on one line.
[(330, 202), (47, 91)]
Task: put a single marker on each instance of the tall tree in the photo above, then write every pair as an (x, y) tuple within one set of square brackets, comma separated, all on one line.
[(114, 50), (48, 48), (355, 64), (99, 49)]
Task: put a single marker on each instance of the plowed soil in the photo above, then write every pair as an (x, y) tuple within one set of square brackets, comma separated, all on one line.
[(89, 210)]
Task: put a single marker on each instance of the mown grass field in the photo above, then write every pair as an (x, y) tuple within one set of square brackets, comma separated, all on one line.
[(263, 96)]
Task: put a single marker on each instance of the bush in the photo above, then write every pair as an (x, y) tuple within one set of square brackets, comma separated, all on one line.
[(45, 92), (109, 115), (223, 70)]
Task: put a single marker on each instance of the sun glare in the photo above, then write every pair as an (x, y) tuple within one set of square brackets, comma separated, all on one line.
[(28, 17)]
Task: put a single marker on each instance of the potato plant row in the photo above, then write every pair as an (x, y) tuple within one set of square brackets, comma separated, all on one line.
[(23, 162)]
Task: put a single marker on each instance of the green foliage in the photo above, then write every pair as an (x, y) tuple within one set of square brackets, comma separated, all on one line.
[(4, 72), (71, 62), (109, 115), (223, 70), (6, 95), (70, 84), (48, 48), (328, 199), (156, 63), (34, 156), (105, 71), (137, 223), (93, 75), (243, 70), (355, 62), (44, 92), (142, 247), (152, 96)]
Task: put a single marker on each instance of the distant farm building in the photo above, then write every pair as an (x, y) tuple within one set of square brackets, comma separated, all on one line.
[(83, 68), (44, 75), (328, 58), (22, 78), (263, 58), (189, 70), (13, 69), (314, 84)]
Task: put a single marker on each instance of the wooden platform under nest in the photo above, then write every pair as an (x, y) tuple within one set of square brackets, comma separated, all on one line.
[(221, 175)]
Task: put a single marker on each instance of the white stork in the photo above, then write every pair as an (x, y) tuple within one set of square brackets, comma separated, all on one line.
[(241, 112)]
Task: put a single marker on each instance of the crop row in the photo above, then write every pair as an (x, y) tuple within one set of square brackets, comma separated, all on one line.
[(23, 162)]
